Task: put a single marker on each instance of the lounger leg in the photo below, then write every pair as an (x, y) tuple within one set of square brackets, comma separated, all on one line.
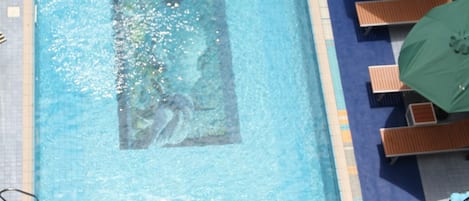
[(393, 160), (367, 30), (379, 97)]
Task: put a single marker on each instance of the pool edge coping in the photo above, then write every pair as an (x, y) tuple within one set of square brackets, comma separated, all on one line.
[(28, 98), (346, 169)]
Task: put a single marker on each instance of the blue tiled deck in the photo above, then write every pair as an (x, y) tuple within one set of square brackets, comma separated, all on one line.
[(355, 52)]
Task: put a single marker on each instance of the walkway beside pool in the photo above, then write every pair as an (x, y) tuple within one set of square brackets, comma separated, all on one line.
[(16, 54), (11, 94), (355, 52), (427, 177)]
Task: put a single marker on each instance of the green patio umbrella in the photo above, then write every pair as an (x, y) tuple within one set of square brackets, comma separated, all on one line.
[(434, 59)]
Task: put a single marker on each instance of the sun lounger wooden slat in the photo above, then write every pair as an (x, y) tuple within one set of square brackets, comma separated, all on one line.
[(438, 138), (387, 12), (385, 79)]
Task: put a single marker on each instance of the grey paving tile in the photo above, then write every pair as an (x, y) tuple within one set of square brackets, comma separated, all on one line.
[(11, 73), (443, 174)]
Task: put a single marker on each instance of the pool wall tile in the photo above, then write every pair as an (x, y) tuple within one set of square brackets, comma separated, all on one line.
[(335, 72)]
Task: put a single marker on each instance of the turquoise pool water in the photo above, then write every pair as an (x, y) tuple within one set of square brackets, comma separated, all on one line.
[(282, 151)]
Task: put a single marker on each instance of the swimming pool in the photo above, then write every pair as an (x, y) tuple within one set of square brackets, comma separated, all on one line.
[(282, 151)]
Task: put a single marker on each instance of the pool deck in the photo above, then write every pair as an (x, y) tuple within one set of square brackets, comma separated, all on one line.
[(355, 52), (10, 98), (426, 177), (16, 109), (354, 118)]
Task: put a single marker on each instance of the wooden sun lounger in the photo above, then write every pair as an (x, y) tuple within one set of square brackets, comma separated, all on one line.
[(393, 12), (428, 139), (385, 79)]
